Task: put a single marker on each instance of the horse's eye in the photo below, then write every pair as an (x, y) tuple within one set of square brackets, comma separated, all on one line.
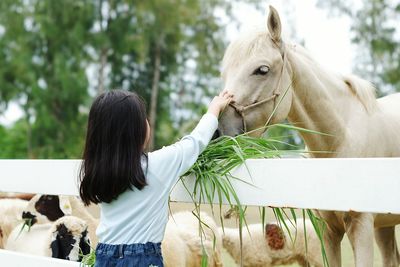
[(262, 70)]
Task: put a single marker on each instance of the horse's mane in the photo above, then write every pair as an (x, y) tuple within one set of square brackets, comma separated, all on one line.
[(362, 89), (248, 44)]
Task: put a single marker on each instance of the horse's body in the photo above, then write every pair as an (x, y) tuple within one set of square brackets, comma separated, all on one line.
[(346, 108), (358, 124), (361, 127)]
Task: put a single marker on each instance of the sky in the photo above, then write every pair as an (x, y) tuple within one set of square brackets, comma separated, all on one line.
[(327, 38)]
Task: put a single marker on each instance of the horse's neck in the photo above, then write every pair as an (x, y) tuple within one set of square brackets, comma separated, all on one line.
[(321, 102)]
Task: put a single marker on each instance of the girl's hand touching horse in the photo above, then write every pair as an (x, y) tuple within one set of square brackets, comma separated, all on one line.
[(219, 103)]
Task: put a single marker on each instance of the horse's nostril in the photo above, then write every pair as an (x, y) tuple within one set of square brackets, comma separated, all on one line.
[(216, 134)]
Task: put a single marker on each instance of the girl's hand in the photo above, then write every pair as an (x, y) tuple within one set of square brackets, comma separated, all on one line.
[(219, 103)]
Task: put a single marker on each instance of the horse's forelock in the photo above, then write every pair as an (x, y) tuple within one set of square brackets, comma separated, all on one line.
[(243, 47)]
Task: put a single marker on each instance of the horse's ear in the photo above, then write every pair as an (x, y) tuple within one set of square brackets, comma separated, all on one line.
[(274, 25)]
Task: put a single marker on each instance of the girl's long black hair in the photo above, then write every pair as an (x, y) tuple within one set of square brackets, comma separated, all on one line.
[(115, 139)]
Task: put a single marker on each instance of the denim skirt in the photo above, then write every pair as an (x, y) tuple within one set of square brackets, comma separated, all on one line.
[(133, 255)]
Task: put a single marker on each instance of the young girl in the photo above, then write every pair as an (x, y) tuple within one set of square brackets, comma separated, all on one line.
[(133, 187)]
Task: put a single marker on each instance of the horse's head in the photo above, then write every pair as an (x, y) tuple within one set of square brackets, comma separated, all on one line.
[(256, 71)]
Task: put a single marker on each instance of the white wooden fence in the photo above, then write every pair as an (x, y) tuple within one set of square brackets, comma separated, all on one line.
[(365, 185)]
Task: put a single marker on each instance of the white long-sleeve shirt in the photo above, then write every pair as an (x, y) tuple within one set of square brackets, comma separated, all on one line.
[(140, 216)]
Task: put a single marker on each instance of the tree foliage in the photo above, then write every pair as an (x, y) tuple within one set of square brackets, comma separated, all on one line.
[(375, 30), (49, 48), (43, 68)]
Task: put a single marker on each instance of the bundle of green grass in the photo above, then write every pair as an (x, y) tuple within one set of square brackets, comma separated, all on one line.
[(213, 168), (213, 175)]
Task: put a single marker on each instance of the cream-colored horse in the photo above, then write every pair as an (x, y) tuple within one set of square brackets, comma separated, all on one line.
[(266, 74)]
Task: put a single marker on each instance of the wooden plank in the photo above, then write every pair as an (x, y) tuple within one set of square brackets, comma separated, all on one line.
[(58, 177), (16, 259), (366, 185)]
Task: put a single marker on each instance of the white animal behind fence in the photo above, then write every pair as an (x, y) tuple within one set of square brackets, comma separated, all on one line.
[(297, 183)]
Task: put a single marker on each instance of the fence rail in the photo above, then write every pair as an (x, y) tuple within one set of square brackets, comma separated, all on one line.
[(16, 259), (365, 185)]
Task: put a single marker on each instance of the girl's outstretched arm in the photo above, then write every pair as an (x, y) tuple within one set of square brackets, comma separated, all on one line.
[(172, 161)]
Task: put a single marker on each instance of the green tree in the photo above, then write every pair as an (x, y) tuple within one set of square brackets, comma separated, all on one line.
[(375, 31), (43, 65), (166, 50), (149, 46)]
